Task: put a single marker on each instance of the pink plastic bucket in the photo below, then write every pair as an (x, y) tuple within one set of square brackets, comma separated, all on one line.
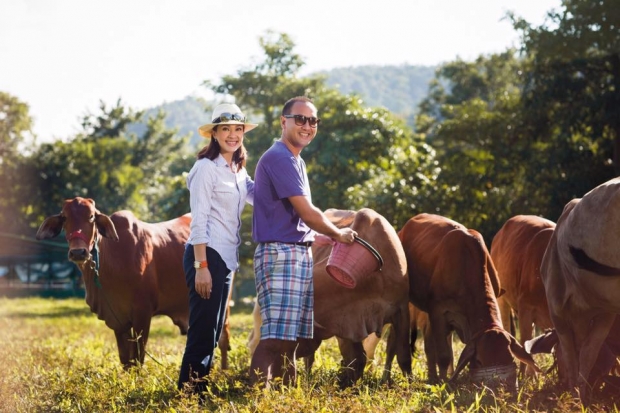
[(349, 263)]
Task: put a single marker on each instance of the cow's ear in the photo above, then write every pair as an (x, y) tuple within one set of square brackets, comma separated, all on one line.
[(467, 355), (105, 226), (519, 352), (51, 227)]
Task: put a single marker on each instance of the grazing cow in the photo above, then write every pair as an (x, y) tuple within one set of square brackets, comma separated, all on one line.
[(517, 252), (453, 279), (132, 271), (352, 314), (606, 363), (581, 274)]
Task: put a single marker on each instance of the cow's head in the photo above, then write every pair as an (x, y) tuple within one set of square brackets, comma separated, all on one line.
[(490, 358), (81, 222), (549, 343)]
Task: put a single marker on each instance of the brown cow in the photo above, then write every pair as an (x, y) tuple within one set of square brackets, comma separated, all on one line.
[(453, 279), (517, 252), (351, 314), (581, 274), (132, 271)]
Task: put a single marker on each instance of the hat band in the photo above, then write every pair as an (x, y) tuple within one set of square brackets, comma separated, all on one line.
[(227, 117)]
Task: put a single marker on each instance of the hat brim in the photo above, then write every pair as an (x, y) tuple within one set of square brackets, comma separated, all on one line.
[(205, 130)]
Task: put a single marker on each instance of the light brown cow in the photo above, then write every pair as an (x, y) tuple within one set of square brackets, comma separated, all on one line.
[(351, 314), (132, 270), (517, 252), (453, 279), (581, 274)]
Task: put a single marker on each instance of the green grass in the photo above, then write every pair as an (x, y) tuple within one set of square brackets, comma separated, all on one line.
[(55, 356)]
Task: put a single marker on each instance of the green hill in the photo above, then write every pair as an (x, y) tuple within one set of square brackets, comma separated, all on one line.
[(397, 88)]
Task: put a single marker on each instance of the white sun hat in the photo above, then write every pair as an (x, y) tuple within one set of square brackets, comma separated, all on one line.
[(226, 114)]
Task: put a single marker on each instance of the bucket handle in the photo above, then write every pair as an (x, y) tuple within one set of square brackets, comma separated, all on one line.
[(370, 248)]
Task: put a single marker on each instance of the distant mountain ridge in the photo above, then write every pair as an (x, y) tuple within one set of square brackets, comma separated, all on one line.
[(397, 88)]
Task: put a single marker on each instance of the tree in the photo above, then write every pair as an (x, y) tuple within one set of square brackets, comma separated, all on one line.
[(401, 184), (119, 170), (15, 126), (572, 95), (482, 142), (99, 169), (359, 144), (16, 141)]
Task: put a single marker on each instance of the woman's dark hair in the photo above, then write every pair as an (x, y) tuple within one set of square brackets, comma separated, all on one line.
[(212, 151)]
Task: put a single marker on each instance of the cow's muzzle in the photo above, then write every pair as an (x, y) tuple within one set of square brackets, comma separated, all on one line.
[(78, 255)]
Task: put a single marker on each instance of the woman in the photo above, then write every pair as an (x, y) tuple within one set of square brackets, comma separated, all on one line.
[(219, 187)]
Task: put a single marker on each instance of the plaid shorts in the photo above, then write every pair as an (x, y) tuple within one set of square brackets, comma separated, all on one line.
[(285, 291)]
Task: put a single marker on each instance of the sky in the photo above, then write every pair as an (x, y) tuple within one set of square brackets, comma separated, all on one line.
[(62, 57)]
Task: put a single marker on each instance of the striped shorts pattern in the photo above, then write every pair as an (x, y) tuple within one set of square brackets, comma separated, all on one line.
[(285, 291)]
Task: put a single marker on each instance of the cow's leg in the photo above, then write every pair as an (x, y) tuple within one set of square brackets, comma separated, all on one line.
[(589, 351), (309, 362), (402, 338), (390, 352), (254, 336), (182, 324), (353, 361), (141, 316), (526, 319), (370, 344), (450, 368), (273, 359), (440, 331), (224, 342), (431, 356), (444, 353), (138, 339), (124, 343), (568, 365), (505, 311), (413, 338), (306, 349)]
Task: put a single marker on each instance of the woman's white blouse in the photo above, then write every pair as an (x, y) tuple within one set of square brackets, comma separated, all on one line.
[(217, 197)]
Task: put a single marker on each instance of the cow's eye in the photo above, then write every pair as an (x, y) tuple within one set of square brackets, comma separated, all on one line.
[(91, 218)]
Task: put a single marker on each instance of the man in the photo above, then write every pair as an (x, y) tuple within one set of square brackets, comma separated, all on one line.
[(284, 225)]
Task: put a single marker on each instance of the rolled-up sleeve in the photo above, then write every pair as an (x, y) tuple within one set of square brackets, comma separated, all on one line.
[(249, 184)]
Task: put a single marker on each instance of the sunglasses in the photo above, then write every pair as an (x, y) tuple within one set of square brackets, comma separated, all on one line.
[(227, 117), (300, 120)]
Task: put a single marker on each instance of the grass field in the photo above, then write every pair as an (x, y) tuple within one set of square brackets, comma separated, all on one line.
[(55, 356)]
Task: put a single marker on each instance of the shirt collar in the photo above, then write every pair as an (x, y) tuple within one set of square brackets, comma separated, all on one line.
[(220, 161)]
